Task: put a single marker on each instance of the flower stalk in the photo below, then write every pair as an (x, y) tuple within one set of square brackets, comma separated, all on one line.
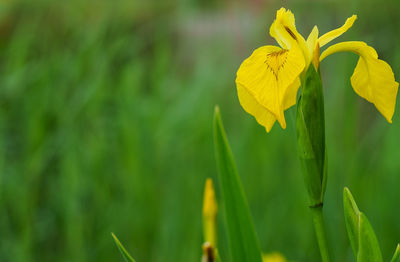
[(320, 232), (310, 125)]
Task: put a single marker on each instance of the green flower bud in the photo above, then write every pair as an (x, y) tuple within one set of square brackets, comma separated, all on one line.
[(310, 126)]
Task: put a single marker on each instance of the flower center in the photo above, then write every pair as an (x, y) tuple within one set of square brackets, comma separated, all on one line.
[(276, 60)]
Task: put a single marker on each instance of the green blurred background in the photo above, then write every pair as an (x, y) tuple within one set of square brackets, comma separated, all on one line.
[(106, 126)]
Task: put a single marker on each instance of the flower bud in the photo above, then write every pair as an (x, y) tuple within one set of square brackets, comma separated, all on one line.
[(310, 126), (209, 213)]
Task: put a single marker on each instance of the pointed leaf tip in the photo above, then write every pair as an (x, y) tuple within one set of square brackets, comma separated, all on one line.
[(349, 199), (216, 109), (361, 234), (242, 237), (217, 117), (124, 253), (396, 256), (352, 219)]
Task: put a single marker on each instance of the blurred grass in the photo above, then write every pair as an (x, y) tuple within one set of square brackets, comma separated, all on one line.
[(106, 125)]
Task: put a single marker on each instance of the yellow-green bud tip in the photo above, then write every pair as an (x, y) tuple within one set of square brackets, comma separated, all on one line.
[(209, 203), (209, 214), (274, 257)]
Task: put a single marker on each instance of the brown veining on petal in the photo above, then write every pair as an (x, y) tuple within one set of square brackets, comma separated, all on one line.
[(275, 61), (290, 33)]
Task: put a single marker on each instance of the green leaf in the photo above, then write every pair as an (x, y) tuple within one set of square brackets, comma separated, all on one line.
[(361, 234), (242, 237), (368, 243), (351, 215), (125, 254), (396, 256)]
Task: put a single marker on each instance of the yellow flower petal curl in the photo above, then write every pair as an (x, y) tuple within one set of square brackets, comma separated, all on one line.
[(283, 29), (267, 83), (326, 38), (373, 79)]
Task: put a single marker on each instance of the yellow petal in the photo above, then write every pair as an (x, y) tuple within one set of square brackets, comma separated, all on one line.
[(283, 29), (291, 94), (373, 79), (326, 38), (267, 77), (312, 41), (260, 113), (251, 106)]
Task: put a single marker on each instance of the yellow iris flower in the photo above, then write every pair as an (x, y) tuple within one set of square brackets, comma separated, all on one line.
[(267, 81)]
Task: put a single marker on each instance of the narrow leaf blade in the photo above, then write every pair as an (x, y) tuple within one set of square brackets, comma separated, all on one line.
[(242, 237), (396, 256), (125, 254)]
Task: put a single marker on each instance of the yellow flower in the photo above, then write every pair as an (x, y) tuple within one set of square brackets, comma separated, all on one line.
[(267, 81)]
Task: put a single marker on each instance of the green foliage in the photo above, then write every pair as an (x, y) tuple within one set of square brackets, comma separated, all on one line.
[(242, 236), (310, 126), (362, 237), (124, 253)]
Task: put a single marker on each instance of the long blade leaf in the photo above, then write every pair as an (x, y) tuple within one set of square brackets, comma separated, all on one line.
[(242, 237), (125, 254), (361, 234)]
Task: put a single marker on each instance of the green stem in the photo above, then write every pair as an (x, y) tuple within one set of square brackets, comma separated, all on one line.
[(319, 226)]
